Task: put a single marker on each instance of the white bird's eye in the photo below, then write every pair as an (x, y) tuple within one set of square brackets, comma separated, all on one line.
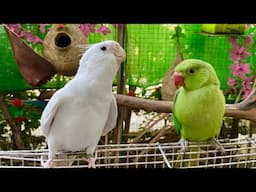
[(103, 48)]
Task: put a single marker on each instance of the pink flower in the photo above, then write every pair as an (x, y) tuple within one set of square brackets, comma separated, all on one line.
[(85, 28), (30, 37), (246, 93), (232, 83), (24, 34), (42, 28), (246, 86), (103, 29), (239, 53), (232, 40), (34, 39), (15, 27), (240, 69)]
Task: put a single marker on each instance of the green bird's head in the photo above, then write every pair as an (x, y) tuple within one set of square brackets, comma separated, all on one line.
[(194, 74)]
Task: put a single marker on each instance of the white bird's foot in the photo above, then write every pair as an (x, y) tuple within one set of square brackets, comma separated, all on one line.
[(47, 164), (91, 162), (184, 143), (217, 145)]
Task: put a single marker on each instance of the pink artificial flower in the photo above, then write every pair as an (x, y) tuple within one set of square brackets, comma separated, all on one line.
[(85, 28), (232, 40), (30, 37), (24, 34), (15, 27), (240, 70), (34, 39), (246, 86), (103, 29), (232, 83), (246, 93), (42, 28), (239, 53)]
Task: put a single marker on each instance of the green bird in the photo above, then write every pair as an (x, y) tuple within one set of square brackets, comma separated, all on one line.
[(199, 104)]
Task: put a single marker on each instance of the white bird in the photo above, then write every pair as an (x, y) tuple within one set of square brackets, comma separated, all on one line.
[(78, 114)]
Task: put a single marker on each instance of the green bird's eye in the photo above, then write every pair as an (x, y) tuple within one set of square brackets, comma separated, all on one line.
[(191, 71)]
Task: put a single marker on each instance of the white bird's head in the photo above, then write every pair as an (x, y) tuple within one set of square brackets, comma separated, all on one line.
[(103, 55)]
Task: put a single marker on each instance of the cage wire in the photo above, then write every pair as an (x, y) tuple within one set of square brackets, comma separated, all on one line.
[(239, 153)]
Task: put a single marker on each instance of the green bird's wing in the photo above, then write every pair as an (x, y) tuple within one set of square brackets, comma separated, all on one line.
[(176, 122)]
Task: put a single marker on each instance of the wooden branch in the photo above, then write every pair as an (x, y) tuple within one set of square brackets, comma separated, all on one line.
[(248, 103), (244, 110), (232, 110)]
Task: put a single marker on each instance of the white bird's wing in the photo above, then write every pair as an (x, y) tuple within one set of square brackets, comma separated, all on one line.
[(112, 116), (49, 113)]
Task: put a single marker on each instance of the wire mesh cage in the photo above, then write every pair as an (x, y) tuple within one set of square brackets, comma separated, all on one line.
[(239, 153)]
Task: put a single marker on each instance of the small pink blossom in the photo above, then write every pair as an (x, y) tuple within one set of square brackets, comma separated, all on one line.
[(30, 37), (246, 86), (232, 83), (85, 28), (239, 53), (34, 39), (240, 69), (42, 28), (103, 29), (15, 27), (232, 40)]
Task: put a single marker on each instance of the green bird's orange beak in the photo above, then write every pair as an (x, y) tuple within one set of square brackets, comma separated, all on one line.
[(178, 79)]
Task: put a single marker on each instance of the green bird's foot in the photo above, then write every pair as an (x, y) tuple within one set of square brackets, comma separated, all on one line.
[(184, 143), (217, 145)]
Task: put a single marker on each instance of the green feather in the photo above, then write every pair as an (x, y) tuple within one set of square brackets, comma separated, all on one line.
[(176, 122)]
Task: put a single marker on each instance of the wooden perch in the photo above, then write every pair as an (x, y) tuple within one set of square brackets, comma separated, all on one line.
[(232, 110), (244, 110), (247, 104)]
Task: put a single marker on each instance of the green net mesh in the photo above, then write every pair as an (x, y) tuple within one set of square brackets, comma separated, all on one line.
[(150, 53)]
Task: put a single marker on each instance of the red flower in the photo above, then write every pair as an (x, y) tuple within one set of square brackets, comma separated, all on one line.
[(131, 93), (60, 26), (17, 102), (19, 119)]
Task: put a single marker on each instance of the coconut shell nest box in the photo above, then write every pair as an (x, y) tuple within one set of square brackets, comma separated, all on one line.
[(60, 47)]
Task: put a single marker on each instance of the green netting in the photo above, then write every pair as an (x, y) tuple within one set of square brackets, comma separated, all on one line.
[(150, 52)]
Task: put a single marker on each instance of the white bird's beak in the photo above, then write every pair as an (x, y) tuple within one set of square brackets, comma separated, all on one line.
[(120, 53)]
